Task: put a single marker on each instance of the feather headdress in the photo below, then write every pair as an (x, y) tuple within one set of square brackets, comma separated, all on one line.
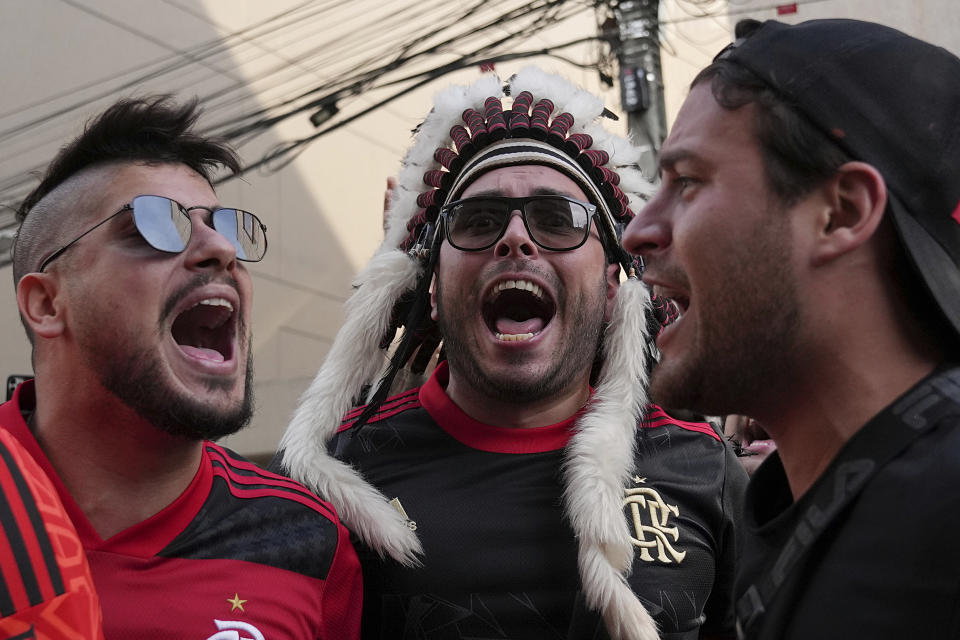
[(468, 132)]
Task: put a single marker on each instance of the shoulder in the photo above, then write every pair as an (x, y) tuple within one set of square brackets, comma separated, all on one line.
[(258, 516), (689, 452), (247, 481), (656, 418), (927, 471), (39, 543), (24, 482), (392, 406)]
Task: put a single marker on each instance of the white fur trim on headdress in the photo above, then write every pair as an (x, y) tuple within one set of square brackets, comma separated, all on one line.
[(354, 359), (599, 459)]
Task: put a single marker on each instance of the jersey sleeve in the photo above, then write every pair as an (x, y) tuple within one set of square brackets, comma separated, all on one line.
[(343, 592), (719, 610), (46, 589)]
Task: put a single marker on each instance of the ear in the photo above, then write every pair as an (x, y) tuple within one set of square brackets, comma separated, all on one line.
[(613, 285), (37, 300), (857, 198)]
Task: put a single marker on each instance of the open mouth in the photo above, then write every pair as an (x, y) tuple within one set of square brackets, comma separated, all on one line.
[(672, 297), (681, 303), (517, 310), (206, 330)]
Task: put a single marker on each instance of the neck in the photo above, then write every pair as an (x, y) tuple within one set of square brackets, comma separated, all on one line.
[(842, 386), (119, 469), (520, 413)]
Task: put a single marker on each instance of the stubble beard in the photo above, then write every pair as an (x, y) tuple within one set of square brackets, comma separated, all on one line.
[(747, 335), (136, 376), (570, 361)]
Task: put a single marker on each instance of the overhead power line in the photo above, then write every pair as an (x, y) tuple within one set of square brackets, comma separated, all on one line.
[(343, 51)]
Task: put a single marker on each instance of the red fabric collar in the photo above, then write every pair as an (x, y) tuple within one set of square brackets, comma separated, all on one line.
[(485, 437)]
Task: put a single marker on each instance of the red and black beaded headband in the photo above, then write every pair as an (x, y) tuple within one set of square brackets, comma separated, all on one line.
[(534, 138)]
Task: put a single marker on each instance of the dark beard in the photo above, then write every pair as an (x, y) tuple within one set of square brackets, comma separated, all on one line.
[(572, 359), (135, 382)]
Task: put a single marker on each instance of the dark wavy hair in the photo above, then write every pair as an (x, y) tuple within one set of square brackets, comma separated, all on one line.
[(153, 129)]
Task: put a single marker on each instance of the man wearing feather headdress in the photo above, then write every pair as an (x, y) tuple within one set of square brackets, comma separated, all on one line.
[(526, 489)]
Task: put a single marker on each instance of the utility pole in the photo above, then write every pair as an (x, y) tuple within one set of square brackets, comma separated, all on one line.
[(8, 230), (641, 79)]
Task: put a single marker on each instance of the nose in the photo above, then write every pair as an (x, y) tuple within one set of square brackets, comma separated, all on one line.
[(648, 232), (208, 248), (515, 241)]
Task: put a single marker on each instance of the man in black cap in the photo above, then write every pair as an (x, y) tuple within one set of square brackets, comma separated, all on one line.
[(814, 166)]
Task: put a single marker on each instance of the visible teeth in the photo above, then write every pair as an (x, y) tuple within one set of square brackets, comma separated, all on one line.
[(216, 302), (523, 285), (514, 337)]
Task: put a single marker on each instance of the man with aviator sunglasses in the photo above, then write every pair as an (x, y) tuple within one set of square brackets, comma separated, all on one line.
[(132, 291), (166, 225)]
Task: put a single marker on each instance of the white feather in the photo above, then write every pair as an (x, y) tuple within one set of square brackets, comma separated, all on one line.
[(402, 208), (634, 184), (582, 105), (434, 133)]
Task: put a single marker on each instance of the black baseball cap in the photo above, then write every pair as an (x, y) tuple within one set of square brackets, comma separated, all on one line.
[(889, 100)]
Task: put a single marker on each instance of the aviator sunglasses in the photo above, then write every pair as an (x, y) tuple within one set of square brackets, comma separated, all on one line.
[(553, 222), (166, 226)]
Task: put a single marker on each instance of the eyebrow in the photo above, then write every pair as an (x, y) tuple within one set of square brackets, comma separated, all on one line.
[(670, 158), (540, 191)]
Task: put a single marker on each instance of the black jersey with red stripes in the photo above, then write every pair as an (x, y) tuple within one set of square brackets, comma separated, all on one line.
[(500, 559), (243, 553)]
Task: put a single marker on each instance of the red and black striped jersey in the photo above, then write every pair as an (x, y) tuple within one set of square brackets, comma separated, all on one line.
[(242, 553), (46, 590), (500, 559)]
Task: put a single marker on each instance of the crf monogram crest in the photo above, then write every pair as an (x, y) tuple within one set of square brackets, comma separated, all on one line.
[(651, 519), (235, 630)]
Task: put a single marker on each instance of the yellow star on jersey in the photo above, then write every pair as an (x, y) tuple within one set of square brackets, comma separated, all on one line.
[(236, 603)]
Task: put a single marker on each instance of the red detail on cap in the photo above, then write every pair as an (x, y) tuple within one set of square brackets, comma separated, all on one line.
[(838, 133), (956, 214), (784, 9)]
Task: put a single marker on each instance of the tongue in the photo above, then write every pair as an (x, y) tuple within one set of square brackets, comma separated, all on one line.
[(201, 353), (514, 327)]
